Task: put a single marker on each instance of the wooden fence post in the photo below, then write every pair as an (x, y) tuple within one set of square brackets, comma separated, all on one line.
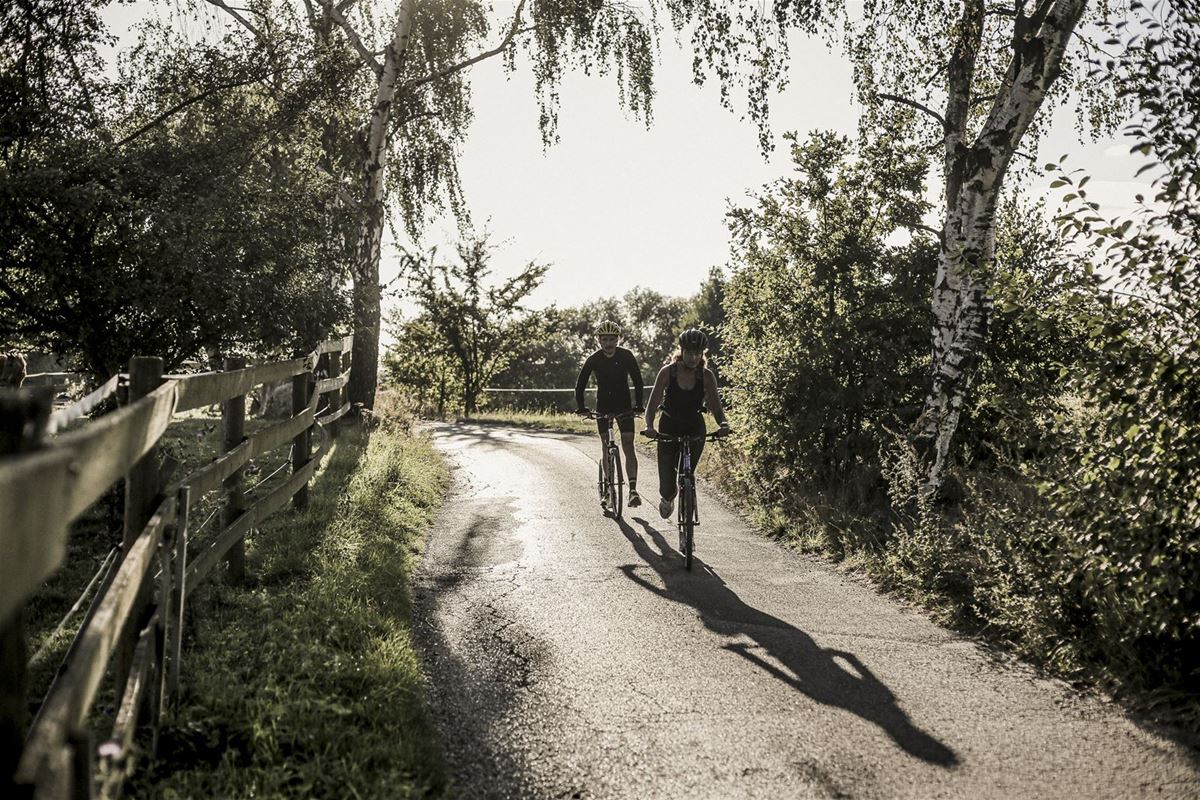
[(335, 397), (79, 745), (347, 363), (23, 418), (142, 488), (302, 444), (174, 642), (233, 415), (141, 483)]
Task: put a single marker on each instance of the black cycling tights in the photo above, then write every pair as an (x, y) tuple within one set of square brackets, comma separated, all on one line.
[(668, 452)]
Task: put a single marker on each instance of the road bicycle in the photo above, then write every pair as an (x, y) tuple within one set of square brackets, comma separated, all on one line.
[(688, 517), (610, 480)]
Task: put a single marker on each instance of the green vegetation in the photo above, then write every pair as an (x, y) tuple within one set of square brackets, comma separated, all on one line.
[(1065, 525), (305, 682), (467, 331), (547, 420)]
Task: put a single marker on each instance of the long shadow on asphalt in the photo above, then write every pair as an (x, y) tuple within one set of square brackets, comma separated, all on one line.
[(828, 676)]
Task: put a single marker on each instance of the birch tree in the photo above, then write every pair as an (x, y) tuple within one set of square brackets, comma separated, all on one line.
[(411, 60), (992, 67)]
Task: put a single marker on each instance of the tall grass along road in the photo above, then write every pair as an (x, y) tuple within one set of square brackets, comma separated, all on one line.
[(570, 655)]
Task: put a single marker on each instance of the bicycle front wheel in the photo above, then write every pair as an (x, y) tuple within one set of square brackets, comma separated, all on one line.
[(617, 487), (687, 501), (601, 489)]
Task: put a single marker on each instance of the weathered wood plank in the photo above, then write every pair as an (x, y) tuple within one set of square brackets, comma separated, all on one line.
[(82, 407), (332, 384), (210, 388), (79, 466), (202, 565), (116, 754), (52, 379), (142, 488), (326, 419), (210, 476), (23, 417), (102, 452), (329, 346), (71, 697)]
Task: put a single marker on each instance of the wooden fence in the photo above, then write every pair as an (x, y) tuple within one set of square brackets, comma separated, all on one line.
[(132, 631)]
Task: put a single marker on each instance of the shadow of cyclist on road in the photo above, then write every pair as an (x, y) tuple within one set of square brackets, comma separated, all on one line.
[(832, 677)]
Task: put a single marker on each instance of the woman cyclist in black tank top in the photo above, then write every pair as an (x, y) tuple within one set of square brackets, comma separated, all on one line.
[(682, 388)]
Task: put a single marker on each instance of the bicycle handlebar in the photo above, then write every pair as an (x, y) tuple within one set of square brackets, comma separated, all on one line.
[(614, 417), (719, 433)]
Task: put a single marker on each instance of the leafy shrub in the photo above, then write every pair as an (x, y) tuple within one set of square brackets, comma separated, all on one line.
[(826, 323), (1126, 490)]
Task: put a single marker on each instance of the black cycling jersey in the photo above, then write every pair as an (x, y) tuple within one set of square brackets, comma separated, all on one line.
[(683, 404), (612, 390)]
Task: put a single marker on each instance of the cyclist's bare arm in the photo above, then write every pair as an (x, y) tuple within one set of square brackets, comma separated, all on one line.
[(713, 398), (656, 396)]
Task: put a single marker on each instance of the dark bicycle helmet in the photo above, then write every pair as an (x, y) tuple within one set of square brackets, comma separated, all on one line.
[(693, 339)]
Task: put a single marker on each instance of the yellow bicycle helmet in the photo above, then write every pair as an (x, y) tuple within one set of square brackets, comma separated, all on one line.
[(608, 328)]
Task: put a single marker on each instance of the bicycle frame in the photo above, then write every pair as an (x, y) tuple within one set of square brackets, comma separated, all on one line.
[(687, 517), (610, 481)]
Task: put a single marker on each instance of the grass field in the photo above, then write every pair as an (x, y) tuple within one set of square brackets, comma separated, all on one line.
[(305, 682)]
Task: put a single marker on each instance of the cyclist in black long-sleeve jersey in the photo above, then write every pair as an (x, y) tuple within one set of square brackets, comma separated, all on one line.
[(614, 367)]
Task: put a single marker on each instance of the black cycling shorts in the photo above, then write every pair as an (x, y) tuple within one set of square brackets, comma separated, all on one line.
[(624, 424)]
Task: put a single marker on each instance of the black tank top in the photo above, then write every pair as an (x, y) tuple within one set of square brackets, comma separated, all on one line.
[(683, 403)]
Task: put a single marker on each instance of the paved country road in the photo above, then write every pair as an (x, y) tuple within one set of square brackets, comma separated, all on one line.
[(570, 655)]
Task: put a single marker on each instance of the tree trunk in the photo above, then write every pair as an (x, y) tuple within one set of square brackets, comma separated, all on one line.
[(366, 294), (974, 179), (961, 308)]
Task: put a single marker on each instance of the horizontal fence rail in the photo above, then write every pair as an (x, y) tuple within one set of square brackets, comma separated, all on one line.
[(55, 470)]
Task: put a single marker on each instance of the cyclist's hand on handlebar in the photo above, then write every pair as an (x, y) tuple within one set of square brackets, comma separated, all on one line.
[(724, 430), (649, 432)]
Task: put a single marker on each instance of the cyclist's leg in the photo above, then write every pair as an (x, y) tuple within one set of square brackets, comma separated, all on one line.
[(698, 446), (602, 429), (627, 445), (631, 461), (668, 465)]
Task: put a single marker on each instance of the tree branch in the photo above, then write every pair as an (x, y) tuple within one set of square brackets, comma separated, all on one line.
[(311, 13), (221, 4), (513, 30), (921, 226), (180, 106), (914, 104), (356, 42)]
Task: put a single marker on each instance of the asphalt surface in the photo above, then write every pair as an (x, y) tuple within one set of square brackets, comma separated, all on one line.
[(571, 655)]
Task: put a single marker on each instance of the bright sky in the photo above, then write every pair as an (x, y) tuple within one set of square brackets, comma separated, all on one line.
[(615, 205)]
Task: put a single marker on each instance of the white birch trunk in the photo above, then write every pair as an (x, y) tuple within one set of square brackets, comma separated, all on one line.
[(974, 179), (367, 294)]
